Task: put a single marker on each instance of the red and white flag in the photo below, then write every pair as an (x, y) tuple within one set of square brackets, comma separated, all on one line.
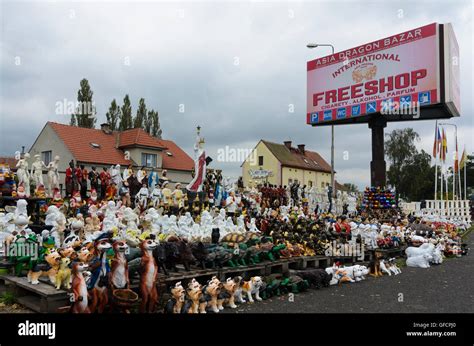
[(200, 172)]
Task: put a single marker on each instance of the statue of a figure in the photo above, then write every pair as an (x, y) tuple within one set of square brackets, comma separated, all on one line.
[(115, 176), (23, 174), (53, 175), (37, 170), (199, 164)]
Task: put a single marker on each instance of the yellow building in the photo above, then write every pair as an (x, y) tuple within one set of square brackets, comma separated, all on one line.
[(282, 164)]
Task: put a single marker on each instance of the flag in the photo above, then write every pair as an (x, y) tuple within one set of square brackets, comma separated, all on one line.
[(440, 142), (456, 158), (435, 144), (200, 173), (462, 163), (444, 146)]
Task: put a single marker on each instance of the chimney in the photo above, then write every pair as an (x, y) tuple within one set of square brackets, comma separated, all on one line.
[(287, 144), (105, 127), (301, 148), (117, 139)]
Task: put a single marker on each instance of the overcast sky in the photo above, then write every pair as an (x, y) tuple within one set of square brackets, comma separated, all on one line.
[(237, 68)]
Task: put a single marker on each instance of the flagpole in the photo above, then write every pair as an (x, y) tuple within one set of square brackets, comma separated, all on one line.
[(465, 190), (435, 152), (441, 177)]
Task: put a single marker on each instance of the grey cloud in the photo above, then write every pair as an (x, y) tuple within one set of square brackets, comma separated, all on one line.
[(190, 61)]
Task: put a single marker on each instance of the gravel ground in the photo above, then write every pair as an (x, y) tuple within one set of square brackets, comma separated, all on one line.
[(445, 288)]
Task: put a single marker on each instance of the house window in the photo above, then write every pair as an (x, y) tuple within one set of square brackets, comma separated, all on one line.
[(148, 160), (322, 185), (260, 160), (310, 183), (46, 157), (290, 181)]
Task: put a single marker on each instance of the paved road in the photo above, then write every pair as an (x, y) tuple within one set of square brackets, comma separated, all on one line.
[(445, 288)]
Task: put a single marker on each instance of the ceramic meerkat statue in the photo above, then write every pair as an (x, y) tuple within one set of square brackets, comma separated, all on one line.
[(79, 289), (148, 276), (119, 266)]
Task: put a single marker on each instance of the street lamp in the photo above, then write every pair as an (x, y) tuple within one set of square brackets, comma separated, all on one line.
[(311, 46)]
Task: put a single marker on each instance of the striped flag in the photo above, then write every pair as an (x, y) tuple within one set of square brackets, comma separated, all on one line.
[(200, 173), (462, 163), (456, 158), (444, 146), (436, 142)]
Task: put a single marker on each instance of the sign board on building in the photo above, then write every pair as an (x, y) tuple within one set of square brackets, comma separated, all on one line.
[(413, 75), (260, 174)]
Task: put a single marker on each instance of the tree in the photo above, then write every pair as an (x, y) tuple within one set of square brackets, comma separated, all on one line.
[(141, 116), (126, 115), (73, 120), (155, 129), (399, 147), (147, 125), (351, 187), (85, 110), (113, 115), (410, 171), (417, 177), (469, 176)]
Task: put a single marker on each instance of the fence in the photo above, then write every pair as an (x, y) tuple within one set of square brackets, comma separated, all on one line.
[(458, 210)]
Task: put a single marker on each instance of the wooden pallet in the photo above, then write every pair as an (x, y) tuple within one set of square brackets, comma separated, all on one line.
[(40, 298), (278, 266)]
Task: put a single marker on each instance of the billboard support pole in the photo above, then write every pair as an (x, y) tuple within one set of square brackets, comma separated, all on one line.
[(378, 165)]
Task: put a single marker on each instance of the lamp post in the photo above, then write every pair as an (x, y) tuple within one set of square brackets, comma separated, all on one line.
[(311, 46)]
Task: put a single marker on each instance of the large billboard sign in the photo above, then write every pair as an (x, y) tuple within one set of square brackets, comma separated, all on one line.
[(408, 76)]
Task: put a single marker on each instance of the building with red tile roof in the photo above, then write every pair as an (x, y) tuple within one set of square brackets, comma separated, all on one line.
[(104, 148)]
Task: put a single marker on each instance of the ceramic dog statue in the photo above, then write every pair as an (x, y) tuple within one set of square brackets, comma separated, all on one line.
[(195, 295), (79, 288), (148, 276), (317, 278), (393, 267), (63, 277), (360, 272), (252, 287), (384, 268), (375, 270), (176, 304), (238, 291), (212, 291), (50, 269), (342, 276), (227, 295)]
